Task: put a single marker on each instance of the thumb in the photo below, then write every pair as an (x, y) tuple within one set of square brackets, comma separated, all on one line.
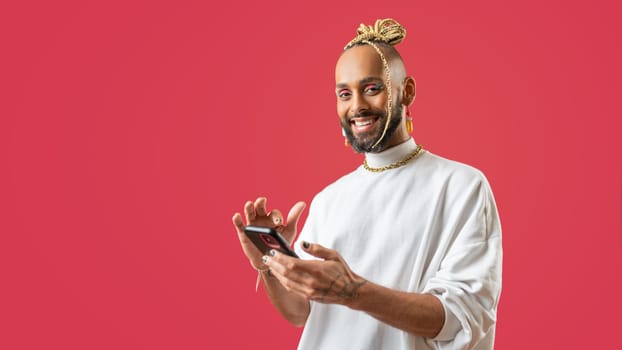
[(319, 251), (294, 215)]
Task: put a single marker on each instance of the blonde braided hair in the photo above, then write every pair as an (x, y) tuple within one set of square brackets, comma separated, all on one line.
[(386, 31)]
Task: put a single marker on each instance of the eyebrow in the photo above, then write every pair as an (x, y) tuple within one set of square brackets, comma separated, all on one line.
[(363, 81)]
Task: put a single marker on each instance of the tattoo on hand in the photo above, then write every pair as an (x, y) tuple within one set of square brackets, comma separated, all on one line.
[(348, 292)]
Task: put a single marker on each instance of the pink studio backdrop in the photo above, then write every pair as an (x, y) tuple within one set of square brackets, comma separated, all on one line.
[(130, 132)]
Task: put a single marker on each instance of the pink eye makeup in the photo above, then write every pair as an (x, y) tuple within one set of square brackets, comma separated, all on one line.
[(373, 87), (343, 93), (366, 88)]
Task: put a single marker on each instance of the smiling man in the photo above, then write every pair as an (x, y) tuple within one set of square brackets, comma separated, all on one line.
[(402, 253)]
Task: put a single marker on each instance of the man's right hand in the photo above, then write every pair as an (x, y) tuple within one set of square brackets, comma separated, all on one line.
[(257, 215)]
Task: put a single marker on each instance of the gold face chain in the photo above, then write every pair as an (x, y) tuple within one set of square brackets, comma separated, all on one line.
[(397, 164), (389, 89)]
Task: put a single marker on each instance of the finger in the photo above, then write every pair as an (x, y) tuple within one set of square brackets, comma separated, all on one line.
[(293, 268), (319, 251), (293, 286), (249, 212), (260, 206), (294, 215), (289, 271), (237, 222), (276, 217)]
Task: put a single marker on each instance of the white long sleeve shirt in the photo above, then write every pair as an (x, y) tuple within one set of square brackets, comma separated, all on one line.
[(430, 226)]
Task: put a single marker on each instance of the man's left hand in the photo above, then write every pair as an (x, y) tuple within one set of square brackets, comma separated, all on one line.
[(329, 281)]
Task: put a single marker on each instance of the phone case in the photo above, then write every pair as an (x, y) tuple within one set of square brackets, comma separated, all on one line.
[(266, 238)]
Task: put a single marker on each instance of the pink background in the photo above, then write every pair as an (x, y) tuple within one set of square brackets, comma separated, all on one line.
[(131, 132)]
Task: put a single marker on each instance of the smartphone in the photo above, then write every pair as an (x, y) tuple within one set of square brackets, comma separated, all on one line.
[(266, 238)]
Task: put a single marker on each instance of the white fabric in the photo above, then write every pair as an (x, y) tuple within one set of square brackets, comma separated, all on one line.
[(430, 226)]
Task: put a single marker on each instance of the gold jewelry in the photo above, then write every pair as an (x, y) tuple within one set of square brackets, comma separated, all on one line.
[(387, 72), (397, 164), (409, 121)]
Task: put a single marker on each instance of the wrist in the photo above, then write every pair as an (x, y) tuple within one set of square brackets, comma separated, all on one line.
[(262, 274), (360, 289), (261, 267)]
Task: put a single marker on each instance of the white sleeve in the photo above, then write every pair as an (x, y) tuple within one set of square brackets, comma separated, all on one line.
[(468, 282)]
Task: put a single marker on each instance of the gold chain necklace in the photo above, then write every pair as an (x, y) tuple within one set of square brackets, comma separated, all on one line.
[(397, 164)]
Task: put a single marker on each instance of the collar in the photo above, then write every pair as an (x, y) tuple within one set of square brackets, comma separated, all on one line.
[(391, 155)]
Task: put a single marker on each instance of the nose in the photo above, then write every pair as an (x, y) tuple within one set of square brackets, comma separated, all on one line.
[(359, 104)]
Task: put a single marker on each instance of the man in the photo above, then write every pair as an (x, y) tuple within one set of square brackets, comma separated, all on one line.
[(402, 253)]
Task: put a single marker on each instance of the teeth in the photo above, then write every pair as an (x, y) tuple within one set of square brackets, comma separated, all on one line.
[(367, 122)]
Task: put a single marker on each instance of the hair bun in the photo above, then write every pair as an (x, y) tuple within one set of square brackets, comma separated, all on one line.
[(387, 31)]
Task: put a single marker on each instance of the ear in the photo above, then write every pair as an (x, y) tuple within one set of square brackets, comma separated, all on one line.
[(410, 91)]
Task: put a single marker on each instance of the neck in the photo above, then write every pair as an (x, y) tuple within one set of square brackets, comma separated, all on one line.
[(391, 154), (395, 142)]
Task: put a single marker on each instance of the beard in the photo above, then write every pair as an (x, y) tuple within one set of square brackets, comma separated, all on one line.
[(363, 142)]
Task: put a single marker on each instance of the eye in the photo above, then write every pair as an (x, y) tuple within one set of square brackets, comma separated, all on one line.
[(344, 93), (373, 89)]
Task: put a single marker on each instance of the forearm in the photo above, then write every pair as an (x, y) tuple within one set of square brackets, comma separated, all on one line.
[(293, 307), (331, 281), (418, 314)]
